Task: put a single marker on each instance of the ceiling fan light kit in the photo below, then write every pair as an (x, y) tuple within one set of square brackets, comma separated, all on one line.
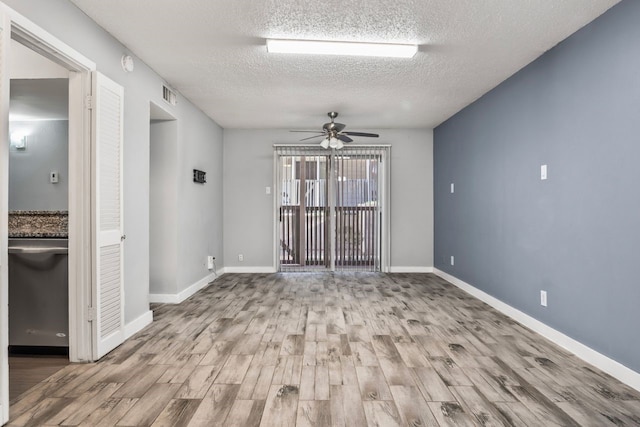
[(334, 134), (318, 47)]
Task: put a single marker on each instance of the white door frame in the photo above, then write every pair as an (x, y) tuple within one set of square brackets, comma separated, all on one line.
[(34, 37)]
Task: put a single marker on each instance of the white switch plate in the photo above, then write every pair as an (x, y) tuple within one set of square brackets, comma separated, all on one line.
[(543, 298), (543, 172), (53, 177), (452, 260), (210, 260), (268, 190), (452, 187), (240, 257)]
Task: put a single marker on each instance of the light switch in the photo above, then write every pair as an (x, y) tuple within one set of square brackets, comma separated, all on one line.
[(543, 172), (268, 190), (452, 187), (53, 177)]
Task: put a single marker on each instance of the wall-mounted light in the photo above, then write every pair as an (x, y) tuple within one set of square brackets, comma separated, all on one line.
[(19, 141), (318, 47)]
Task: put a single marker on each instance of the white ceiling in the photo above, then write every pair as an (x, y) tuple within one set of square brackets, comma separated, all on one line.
[(39, 99), (213, 52)]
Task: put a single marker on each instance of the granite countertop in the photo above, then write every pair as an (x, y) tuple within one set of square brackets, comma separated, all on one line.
[(39, 224)]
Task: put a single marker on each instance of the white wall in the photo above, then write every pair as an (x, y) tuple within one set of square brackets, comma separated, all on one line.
[(248, 211), (199, 141)]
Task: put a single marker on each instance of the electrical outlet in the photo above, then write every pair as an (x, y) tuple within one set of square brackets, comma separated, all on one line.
[(210, 262), (543, 298), (268, 190), (452, 260), (240, 257)]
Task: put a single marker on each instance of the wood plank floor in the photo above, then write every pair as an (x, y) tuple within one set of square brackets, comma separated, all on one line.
[(331, 349), (26, 372)]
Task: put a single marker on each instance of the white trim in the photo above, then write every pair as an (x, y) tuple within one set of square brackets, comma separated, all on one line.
[(43, 42), (410, 269), (164, 298), (266, 269), (186, 293), (138, 324), (5, 36), (599, 360)]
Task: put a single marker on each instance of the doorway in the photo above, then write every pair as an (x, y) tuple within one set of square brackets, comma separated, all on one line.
[(38, 218), (331, 210), (77, 69), (163, 203)]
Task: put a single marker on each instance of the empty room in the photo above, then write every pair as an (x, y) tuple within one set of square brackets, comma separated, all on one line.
[(297, 213)]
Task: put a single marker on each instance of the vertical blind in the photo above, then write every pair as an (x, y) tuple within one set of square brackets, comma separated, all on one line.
[(329, 208)]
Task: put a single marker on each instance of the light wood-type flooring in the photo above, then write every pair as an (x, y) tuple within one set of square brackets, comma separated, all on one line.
[(331, 349), (27, 371)]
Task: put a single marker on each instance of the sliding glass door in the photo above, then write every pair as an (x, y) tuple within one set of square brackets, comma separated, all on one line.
[(329, 208)]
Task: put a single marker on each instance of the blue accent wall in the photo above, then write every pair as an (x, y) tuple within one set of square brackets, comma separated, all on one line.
[(576, 234)]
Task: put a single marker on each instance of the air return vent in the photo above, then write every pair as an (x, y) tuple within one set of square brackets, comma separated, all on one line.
[(169, 96)]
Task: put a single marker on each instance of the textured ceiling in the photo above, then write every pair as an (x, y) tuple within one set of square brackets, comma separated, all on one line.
[(213, 52)]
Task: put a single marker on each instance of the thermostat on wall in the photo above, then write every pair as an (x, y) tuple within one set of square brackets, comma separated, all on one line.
[(199, 176)]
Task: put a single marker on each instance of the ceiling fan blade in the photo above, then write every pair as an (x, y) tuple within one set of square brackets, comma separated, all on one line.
[(373, 135), (344, 138), (311, 137), (307, 131)]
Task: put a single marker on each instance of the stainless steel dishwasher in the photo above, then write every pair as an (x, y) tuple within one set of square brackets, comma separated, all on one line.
[(38, 294)]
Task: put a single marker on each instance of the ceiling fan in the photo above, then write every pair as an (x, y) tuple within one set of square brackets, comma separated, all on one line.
[(334, 134)]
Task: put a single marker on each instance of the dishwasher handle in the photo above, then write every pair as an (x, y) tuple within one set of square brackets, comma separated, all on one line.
[(31, 250)]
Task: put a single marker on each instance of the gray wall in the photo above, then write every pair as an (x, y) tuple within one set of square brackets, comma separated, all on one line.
[(163, 208), (576, 234), (199, 138), (248, 211), (47, 150)]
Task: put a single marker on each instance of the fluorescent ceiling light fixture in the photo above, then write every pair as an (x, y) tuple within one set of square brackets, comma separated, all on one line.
[(314, 47)]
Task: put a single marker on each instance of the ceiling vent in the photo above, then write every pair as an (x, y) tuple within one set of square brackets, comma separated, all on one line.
[(169, 96)]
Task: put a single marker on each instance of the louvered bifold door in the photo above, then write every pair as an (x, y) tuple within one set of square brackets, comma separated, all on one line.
[(5, 35), (108, 295)]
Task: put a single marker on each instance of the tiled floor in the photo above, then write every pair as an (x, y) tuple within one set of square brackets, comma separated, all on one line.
[(331, 349)]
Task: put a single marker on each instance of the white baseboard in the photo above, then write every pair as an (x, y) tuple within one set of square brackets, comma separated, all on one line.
[(183, 295), (599, 360), (138, 324), (410, 269), (269, 269)]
